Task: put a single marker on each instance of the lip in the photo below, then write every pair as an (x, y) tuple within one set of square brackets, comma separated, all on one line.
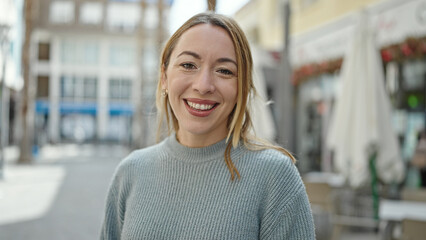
[(199, 113)]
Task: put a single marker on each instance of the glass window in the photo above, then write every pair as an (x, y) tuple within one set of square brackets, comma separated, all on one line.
[(91, 52), (67, 87), (90, 88), (44, 51), (42, 86), (149, 57), (151, 17), (123, 16), (122, 55), (120, 89), (78, 88), (126, 89), (79, 53), (91, 13), (61, 11), (413, 72), (413, 84), (114, 89), (68, 52)]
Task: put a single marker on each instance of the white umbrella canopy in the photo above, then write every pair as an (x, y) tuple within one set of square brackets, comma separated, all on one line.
[(262, 119), (361, 124)]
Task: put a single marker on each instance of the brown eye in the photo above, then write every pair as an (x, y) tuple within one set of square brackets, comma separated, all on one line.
[(188, 66), (225, 72)]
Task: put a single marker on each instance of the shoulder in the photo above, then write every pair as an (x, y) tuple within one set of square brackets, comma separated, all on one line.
[(272, 156), (138, 158), (280, 165), (275, 168), (270, 160)]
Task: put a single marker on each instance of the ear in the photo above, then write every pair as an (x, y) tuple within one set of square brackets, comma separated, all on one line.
[(163, 78)]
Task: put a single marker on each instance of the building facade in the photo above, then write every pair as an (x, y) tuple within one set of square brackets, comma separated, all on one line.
[(94, 63)]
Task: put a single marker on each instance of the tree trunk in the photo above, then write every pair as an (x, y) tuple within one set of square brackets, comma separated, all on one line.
[(27, 104), (160, 29), (138, 120), (211, 5)]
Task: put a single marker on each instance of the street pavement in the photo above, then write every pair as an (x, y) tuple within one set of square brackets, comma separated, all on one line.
[(61, 196)]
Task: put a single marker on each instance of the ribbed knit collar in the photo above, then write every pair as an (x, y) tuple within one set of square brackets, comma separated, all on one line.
[(194, 155)]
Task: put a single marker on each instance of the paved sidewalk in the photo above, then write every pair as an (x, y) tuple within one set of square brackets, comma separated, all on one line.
[(27, 192), (61, 195)]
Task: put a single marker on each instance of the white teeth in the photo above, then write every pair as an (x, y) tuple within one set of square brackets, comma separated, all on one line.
[(200, 106)]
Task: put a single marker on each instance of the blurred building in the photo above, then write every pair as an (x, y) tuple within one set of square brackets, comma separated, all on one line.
[(320, 32), (94, 62)]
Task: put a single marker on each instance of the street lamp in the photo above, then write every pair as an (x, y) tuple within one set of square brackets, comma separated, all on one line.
[(284, 100)]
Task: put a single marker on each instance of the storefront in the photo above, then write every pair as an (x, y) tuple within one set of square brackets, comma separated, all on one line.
[(318, 55)]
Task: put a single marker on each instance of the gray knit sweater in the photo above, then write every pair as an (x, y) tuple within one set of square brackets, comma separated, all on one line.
[(169, 191)]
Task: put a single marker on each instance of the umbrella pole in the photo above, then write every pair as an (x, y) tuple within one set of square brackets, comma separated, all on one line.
[(374, 190)]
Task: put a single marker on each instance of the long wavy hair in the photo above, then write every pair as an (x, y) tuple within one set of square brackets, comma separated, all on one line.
[(239, 121)]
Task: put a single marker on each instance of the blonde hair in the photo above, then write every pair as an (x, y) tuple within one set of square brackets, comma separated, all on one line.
[(239, 122)]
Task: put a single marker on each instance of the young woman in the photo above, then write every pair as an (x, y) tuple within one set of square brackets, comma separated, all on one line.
[(210, 178)]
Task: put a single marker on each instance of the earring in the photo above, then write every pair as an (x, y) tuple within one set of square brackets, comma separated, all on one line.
[(164, 92)]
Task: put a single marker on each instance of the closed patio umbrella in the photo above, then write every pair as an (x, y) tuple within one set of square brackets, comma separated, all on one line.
[(262, 119), (361, 125)]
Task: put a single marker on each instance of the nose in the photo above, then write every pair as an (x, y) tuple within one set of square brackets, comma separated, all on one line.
[(204, 82)]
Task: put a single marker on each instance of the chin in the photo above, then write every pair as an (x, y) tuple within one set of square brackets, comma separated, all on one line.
[(196, 131)]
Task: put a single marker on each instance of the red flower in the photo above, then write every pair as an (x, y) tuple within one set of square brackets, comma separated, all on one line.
[(386, 55), (406, 50)]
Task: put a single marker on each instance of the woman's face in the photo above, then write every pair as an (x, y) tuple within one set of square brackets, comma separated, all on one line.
[(201, 79)]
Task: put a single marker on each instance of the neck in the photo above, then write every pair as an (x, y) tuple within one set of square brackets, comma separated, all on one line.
[(199, 140)]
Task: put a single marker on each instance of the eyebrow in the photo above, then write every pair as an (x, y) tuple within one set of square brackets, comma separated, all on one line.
[(195, 55)]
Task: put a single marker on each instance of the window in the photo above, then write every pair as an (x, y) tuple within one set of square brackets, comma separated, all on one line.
[(91, 13), (44, 51), (90, 53), (67, 87), (90, 88), (123, 16), (413, 76), (42, 86), (61, 11), (120, 90), (413, 73), (79, 89), (122, 55), (79, 53), (151, 17), (68, 52)]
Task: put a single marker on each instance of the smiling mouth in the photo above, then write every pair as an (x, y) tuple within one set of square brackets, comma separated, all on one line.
[(200, 106)]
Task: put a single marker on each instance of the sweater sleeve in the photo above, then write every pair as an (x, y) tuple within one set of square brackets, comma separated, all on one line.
[(115, 207), (287, 212)]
